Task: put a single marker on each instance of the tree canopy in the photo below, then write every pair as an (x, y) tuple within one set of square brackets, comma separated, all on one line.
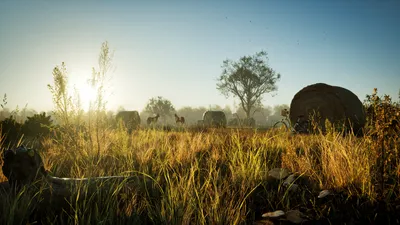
[(161, 106), (249, 79)]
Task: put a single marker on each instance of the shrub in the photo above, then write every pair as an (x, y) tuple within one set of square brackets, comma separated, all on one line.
[(38, 125), (10, 131)]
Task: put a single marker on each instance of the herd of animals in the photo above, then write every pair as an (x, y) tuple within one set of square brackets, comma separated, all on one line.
[(131, 119), (334, 103)]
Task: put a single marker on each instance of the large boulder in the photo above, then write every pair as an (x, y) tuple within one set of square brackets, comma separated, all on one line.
[(337, 104)]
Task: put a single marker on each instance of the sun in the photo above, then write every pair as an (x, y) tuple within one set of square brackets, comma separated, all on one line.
[(87, 95), (80, 86)]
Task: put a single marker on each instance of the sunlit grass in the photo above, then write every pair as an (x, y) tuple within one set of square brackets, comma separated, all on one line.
[(203, 177), (194, 175)]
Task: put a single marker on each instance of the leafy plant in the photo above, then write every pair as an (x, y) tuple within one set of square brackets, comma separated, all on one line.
[(99, 81), (3, 105), (383, 127), (61, 99), (38, 125), (11, 131)]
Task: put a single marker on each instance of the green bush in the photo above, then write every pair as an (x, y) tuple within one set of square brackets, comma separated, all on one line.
[(10, 131), (38, 125)]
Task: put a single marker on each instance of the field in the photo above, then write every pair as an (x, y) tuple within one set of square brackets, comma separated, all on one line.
[(211, 176)]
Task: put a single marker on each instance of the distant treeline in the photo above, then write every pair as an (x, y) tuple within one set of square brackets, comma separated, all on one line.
[(265, 116)]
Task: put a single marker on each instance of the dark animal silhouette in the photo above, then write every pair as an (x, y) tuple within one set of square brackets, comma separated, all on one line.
[(180, 120), (130, 119), (153, 119), (24, 168), (214, 119)]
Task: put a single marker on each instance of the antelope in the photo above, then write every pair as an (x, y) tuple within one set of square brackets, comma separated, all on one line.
[(180, 120), (151, 120)]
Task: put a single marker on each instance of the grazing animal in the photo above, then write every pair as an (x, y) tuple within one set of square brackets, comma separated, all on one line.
[(153, 119), (214, 119), (130, 119), (180, 120)]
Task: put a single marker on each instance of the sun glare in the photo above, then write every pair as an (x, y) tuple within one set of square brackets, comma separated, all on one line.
[(86, 93)]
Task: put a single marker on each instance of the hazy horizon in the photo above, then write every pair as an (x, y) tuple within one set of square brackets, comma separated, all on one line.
[(175, 50)]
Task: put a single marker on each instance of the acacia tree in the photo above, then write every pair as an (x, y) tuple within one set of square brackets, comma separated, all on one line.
[(248, 79), (161, 106)]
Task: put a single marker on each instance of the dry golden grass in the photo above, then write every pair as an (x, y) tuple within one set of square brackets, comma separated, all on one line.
[(211, 177)]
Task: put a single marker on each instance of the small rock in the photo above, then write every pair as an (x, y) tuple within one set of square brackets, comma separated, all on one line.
[(324, 193), (278, 173), (295, 216), (275, 214)]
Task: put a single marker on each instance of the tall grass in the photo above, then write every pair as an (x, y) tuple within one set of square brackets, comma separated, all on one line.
[(194, 175), (199, 178)]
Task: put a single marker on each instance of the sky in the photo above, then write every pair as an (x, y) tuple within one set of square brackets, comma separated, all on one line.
[(175, 49)]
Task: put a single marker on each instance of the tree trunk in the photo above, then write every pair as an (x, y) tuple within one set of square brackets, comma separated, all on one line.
[(248, 113)]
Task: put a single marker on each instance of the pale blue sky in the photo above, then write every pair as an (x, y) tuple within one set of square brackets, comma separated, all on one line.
[(175, 49)]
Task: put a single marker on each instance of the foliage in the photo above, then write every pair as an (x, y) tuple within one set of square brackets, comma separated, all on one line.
[(376, 107), (3, 105), (161, 106), (38, 125), (17, 114), (192, 115), (98, 121), (248, 79), (214, 177), (383, 129), (100, 78), (66, 111), (241, 122), (206, 176), (10, 131), (219, 176), (76, 107)]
